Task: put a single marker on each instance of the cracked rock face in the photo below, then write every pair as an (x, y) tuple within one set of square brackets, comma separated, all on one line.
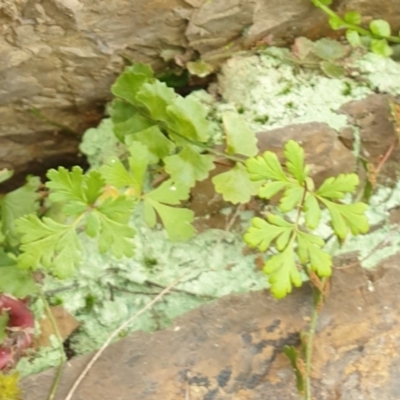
[(61, 56)]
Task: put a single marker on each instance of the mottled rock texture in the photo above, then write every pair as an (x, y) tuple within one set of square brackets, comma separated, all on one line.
[(61, 56), (231, 349)]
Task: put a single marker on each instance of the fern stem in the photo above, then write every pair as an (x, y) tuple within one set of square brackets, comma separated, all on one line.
[(310, 342), (357, 28), (60, 367)]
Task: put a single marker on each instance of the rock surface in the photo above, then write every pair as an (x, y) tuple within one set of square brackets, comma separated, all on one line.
[(61, 56), (378, 137), (232, 349)]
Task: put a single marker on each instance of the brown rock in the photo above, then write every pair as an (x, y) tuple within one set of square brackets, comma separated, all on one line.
[(232, 349), (372, 116), (66, 324)]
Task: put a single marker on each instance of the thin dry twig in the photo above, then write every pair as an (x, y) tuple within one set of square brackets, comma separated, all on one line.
[(386, 156), (233, 218), (116, 333), (187, 391)]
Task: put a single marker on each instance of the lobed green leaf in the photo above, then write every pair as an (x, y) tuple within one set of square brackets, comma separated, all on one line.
[(279, 221), (132, 126), (321, 262), (336, 188), (116, 174), (187, 118), (121, 111), (188, 166), (48, 244), (312, 211), (345, 217), (261, 233), (169, 193), (264, 167), (270, 189), (291, 198), (240, 138), (16, 204), (176, 221), (294, 154), (112, 229), (66, 185), (283, 273), (155, 97), (309, 250), (17, 282), (283, 240), (131, 81), (76, 190), (235, 185), (118, 209), (158, 145)]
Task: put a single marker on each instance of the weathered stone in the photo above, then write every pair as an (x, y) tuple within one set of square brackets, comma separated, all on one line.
[(61, 56), (232, 349), (373, 117), (35, 154), (376, 124)]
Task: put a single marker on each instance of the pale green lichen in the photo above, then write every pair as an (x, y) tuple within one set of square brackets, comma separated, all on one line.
[(270, 93), (100, 144), (43, 358), (382, 73)]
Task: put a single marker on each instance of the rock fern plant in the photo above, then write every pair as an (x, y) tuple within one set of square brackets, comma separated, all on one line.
[(292, 251)]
